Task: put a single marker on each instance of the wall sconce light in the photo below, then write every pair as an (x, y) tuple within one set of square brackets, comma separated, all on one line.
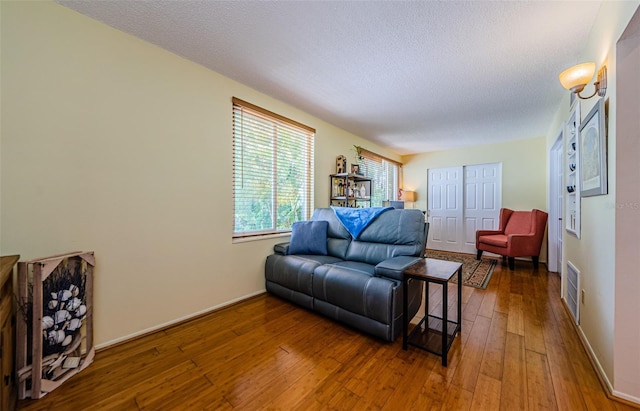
[(576, 78)]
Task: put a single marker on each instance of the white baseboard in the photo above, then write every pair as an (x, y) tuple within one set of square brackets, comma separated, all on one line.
[(602, 376), (176, 321), (594, 358), (627, 397)]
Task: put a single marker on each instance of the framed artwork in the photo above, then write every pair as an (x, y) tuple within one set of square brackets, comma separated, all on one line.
[(355, 169), (54, 338), (593, 152)]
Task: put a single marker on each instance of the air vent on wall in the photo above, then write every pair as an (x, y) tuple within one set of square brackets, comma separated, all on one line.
[(572, 291)]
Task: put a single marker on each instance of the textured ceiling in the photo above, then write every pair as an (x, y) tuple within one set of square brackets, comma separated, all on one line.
[(412, 76)]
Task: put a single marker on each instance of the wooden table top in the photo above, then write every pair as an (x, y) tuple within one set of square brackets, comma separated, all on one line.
[(6, 267), (433, 269)]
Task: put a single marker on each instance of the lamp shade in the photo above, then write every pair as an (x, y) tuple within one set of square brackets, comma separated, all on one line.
[(408, 196), (576, 77)]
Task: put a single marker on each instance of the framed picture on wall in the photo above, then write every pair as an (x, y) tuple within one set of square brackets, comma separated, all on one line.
[(592, 142)]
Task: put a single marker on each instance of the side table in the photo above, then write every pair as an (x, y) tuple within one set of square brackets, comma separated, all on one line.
[(433, 334)]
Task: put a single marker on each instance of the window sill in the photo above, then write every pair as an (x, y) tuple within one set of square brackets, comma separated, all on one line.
[(236, 240)]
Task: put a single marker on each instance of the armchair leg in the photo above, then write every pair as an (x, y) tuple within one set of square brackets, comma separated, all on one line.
[(535, 262), (512, 263), (479, 255)]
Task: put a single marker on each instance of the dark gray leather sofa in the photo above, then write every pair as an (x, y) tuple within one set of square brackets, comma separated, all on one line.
[(359, 282)]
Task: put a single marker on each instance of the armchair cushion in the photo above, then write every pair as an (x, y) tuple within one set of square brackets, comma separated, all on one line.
[(499, 240), (519, 223)]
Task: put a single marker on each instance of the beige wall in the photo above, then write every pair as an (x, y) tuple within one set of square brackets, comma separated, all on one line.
[(626, 355), (114, 145), (1, 136), (594, 253), (523, 172)]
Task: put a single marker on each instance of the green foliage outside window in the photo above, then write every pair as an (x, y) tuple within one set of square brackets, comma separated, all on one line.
[(272, 174)]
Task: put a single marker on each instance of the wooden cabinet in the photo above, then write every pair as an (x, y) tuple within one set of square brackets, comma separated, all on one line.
[(350, 190), (7, 335)]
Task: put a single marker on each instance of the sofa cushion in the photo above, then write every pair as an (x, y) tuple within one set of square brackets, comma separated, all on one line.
[(393, 233), (309, 237), (399, 227), (335, 229), (364, 268), (338, 237), (295, 271), (353, 287)]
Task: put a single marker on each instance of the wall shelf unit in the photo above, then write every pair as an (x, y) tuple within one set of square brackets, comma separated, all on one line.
[(350, 190), (572, 167)]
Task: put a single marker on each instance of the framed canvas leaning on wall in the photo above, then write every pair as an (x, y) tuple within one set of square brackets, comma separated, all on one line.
[(593, 152)]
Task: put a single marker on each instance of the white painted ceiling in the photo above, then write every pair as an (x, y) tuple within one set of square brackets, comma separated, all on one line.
[(412, 76)]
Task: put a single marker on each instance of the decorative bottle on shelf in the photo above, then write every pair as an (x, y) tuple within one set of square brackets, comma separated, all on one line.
[(363, 191)]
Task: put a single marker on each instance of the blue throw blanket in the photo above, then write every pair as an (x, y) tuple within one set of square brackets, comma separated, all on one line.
[(355, 220)]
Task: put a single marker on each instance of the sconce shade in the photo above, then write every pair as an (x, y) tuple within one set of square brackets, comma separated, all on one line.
[(577, 77), (408, 196)]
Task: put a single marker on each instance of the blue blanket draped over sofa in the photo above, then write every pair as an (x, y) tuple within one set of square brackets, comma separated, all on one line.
[(355, 220)]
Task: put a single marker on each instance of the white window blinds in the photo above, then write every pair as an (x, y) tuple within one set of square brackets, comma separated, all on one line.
[(272, 171), (385, 175)]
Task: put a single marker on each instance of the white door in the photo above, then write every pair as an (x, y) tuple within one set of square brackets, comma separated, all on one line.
[(556, 192), (460, 201), (560, 227), (444, 208), (482, 201)]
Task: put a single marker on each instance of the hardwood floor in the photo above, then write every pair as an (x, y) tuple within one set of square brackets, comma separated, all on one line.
[(518, 351)]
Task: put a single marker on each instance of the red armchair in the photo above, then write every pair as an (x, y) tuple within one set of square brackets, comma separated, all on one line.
[(520, 235)]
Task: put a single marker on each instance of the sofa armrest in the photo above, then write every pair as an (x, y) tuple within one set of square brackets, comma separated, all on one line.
[(394, 267), (281, 248)]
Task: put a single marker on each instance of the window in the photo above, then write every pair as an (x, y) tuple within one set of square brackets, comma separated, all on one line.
[(272, 171), (385, 175)]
